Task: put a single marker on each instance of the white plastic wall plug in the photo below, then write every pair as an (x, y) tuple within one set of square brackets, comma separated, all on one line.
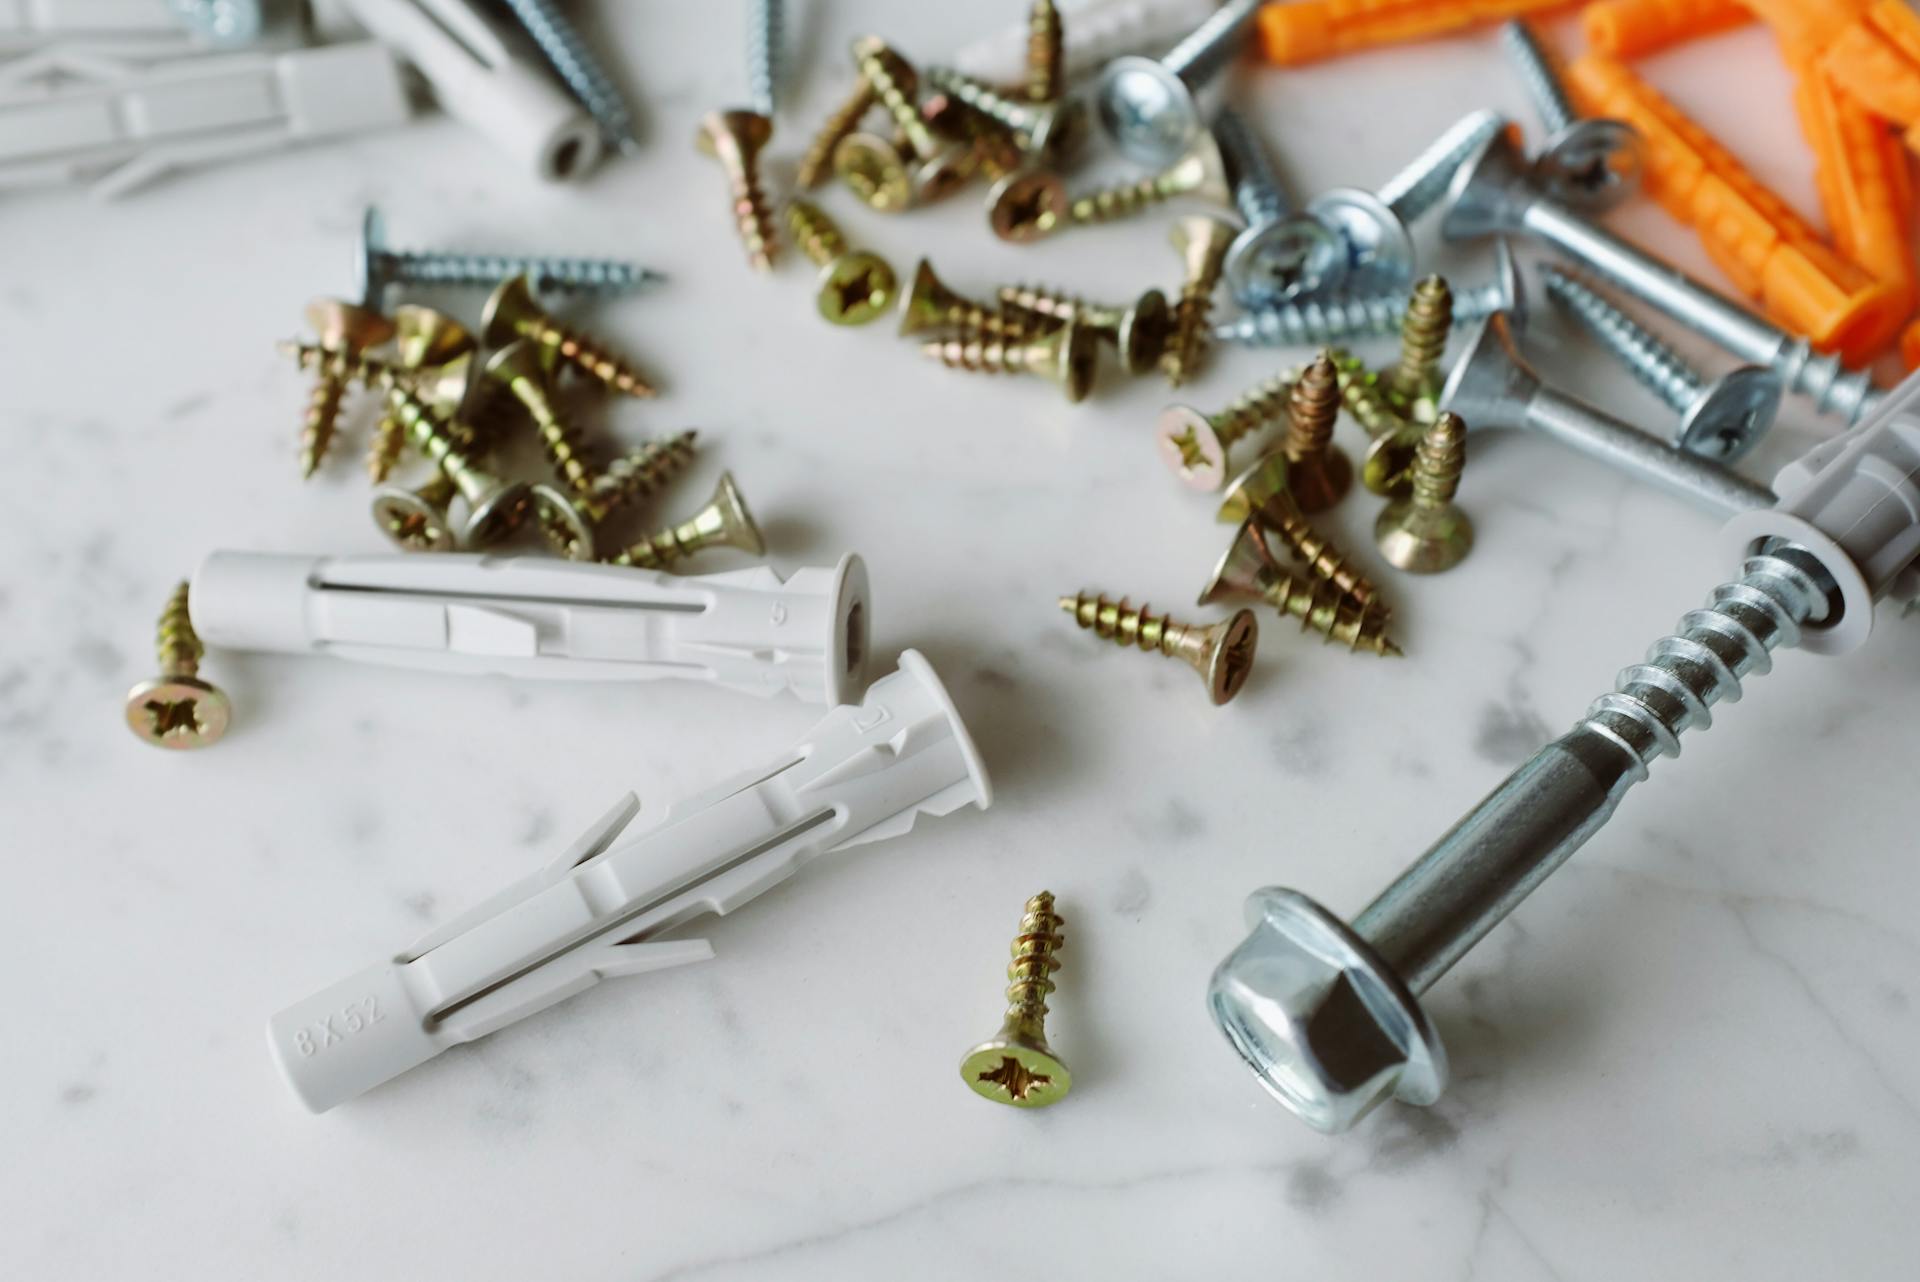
[(1096, 31)]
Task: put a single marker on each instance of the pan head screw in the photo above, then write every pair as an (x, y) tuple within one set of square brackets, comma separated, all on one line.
[(177, 709), (1586, 163), (1427, 532), (1017, 1066)]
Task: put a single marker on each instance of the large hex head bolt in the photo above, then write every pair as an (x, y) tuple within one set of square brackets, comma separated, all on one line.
[(1151, 108), (1328, 1014)]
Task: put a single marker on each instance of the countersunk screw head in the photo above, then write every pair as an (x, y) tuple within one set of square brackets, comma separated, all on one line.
[(856, 288), (1591, 164), (872, 169), (1142, 331), (178, 712), (1729, 419), (509, 310), (573, 530), (1076, 359), (424, 338), (1427, 532), (1026, 205), (1191, 447), (344, 326), (1252, 490), (1017, 1066), (1147, 110), (411, 520), (737, 135), (1379, 247)]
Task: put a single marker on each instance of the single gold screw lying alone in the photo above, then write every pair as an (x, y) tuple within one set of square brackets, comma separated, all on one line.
[(1319, 472), (1248, 570), (1016, 1066), (1260, 494), (855, 286), (512, 312), (735, 139), (1195, 445), (1200, 173), (1426, 532), (1068, 356), (177, 709), (1046, 52), (931, 304), (572, 529), (1202, 244), (1388, 466), (345, 332), (1222, 653), (424, 339), (723, 523), (1139, 331), (1414, 385), (495, 506), (873, 166)]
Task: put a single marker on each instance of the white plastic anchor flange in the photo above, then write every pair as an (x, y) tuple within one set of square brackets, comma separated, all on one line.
[(863, 773), (527, 616)]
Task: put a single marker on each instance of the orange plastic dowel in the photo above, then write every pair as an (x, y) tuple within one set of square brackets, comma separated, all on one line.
[(1910, 347), (1308, 30), (1873, 69), (1634, 28), (1770, 252), (1807, 26)]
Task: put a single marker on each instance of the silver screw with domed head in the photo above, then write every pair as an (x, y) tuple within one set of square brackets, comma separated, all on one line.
[(1587, 163), (1281, 253), (1151, 108), (378, 267)]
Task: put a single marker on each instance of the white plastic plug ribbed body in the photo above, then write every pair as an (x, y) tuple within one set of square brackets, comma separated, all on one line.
[(484, 79), (533, 616), (1854, 503), (1096, 31), (122, 121), (39, 23), (863, 773)]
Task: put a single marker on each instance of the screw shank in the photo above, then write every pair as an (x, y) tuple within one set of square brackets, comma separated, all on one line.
[(1628, 449)]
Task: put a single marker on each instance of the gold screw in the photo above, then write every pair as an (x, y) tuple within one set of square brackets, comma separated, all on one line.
[(735, 138), (1068, 356), (518, 368), (572, 527), (1017, 1066), (1388, 466), (1320, 473), (855, 287), (1248, 570), (1222, 653), (417, 519), (845, 119), (872, 165), (423, 340), (1200, 173), (346, 331), (495, 507), (177, 709), (1202, 244), (1195, 445), (1046, 60), (723, 522), (512, 312), (1426, 532), (931, 304), (1260, 494), (1138, 331), (1415, 382)]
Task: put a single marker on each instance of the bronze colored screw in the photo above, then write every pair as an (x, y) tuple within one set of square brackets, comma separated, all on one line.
[(423, 339), (1260, 494), (1248, 570), (1427, 532), (1027, 200), (1202, 244), (1139, 331), (518, 368), (177, 709), (734, 138), (346, 331), (1195, 445), (1388, 466), (512, 312), (1046, 53), (1016, 1066), (723, 522), (855, 287), (1222, 653), (931, 304), (1200, 173), (1415, 383), (1068, 355), (495, 507), (872, 166), (1320, 471), (571, 525), (819, 156)]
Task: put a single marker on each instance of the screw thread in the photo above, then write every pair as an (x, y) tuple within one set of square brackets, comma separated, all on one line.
[(752, 214), (817, 163), (1256, 185), (549, 274), (981, 351), (1324, 610), (434, 437), (176, 644), (561, 442), (1127, 626), (877, 62), (638, 473), (1057, 305), (1318, 553), (1128, 199), (1031, 970), (1439, 461), (1423, 337), (384, 446), (1307, 322), (1537, 72), (1187, 344), (1418, 187), (1312, 410), (584, 354), (1046, 52), (1200, 55), (1362, 396), (1258, 405), (323, 412), (422, 527), (766, 28), (1651, 361), (566, 51), (814, 232), (359, 367), (1019, 117)]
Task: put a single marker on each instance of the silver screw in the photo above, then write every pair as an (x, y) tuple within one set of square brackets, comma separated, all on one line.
[(1590, 164), (1328, 1015), (1318, 322), (1493, 386), (1281, 254), (565, 49), (227, 22), (1150, 107), (378, 266), (766, 55), (1492, 196), (1719, 420)]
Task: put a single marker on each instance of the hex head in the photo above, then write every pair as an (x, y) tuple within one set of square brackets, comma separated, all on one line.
[(1142, 332), (1149, 112), (496, 512), (509, 310), (1422, 539), (1492, 384), (872, 168), (736, 135), (1490, 193), (1731, 415), (856, 288), (424, 337), (1243, 570), (410, 521), (1026, 205), (1379, 248), (1190, 447), (347, 326), (1076, 359), (1229, 655), (566, 527), (370, 261), (1016, 1071), (1326, 1026), (1254, 489), (1591, 164), (1269, 263), (178, 712)]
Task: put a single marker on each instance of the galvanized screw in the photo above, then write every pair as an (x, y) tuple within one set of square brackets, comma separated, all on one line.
[(1017, 1066), (378, 267), (1311, 322), (855, 286), (766, 54), (1426, 532), (1195, 445), (177, 709), (1150, 108), (723, 522), (1721, 420), (1139, 331), (1589, 164), (513, 312), (1222, 653), (1248, 570), (561, 43), (1202, 245), (1281, 253)]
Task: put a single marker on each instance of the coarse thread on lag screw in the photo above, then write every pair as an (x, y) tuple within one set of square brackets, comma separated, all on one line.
[(723, 522), (1046, 52), (177, 709), (1248, 570), (1319, 472), (1426, 532), (1222, 653), (1195, 445), (513, 312), (735, 139), (1202, 244), (1017, 1066), (1423, 341)]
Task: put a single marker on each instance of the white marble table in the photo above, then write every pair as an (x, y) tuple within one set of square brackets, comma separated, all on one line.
[(1691, 1055)]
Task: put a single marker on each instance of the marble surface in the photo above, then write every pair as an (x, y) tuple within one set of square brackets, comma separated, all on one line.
[(1691, 1054)]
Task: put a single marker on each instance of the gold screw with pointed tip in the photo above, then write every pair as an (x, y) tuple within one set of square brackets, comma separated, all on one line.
[(1248, 570), (1260, 494), (1068, 356), (855, 286), (1046, 52), (177, 709), (1016, 1066), (938, 168), (1195, 445), (931, 304), (1137, 331), (735, 139), (571, 525), (1387, 469), (495, 506), (1222, 653), (1319, 472), (1426, 532), (818, 160), (513, 312), (346, 331), (1414, 385), (723, 522), (1202, 243), (518, 368), (424, 339), (417, 519), (1200, 173)]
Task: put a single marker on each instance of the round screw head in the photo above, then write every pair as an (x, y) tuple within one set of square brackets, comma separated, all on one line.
[(1591, 164), (177, 712), (414, 524), (1420, 539), (1146, 110), (1736, 410), (856, 288), (1253, 489), (1191, 447), (871, 167), (1023, 1074), (1143, 331), (1272, 262), (1026, 205), (1379, 248)]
